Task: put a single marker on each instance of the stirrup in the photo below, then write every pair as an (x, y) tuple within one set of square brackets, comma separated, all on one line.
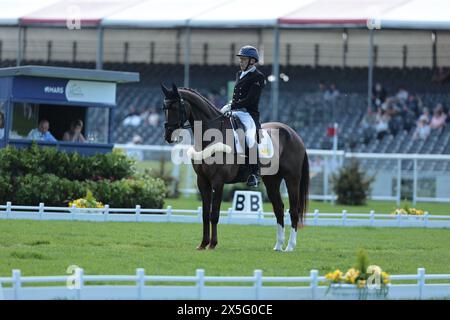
[(253, 181)]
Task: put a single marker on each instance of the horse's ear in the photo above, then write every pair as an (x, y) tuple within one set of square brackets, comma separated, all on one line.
[(175, 89), (165, 90)]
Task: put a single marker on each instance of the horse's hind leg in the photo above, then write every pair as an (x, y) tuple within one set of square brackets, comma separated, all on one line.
[(272, 184), (293, 187), (217, 191)]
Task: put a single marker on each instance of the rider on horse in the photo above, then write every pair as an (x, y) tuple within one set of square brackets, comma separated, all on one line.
[(247, 91)]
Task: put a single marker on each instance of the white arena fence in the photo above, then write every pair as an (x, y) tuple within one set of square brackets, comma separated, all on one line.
[(199, 286), (420, 177), (229, 216)]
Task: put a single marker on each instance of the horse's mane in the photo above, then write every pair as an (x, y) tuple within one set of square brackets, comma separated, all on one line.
[(203, 98)]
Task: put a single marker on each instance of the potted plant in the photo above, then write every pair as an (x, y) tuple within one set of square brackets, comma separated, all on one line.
[(360, 283)]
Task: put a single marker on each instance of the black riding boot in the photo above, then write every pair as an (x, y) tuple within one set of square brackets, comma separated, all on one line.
[(253, 179)]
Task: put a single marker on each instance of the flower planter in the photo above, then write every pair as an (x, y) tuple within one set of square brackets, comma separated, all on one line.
[(352, 292)]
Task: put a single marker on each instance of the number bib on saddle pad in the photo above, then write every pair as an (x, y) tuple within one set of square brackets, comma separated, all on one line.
[(265, 147)]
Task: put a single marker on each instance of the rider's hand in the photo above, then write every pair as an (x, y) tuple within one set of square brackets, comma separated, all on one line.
[(226, 108)]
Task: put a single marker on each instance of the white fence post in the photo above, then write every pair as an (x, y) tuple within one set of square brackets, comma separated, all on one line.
[(399, 219), (140, 282), (106, 212), (200, 214), (316, 216), (260, 216), (72, 212), (372, 218), (200, 283), (138, 212), (314, 274), (79, 276), (169, 213), (8, 209), (425, 219), (230, 215), (258, 284), (16, 274), (344, 217), (41, 210), (421, 281)]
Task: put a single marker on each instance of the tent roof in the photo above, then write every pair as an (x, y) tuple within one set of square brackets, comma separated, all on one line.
[(408, 14), (91, 12), (12, 10), (419, 14), (160, 13), (339, 12), (237, 13)]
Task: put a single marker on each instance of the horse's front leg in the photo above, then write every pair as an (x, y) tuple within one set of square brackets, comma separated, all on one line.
[(217, 191), (205, 190)]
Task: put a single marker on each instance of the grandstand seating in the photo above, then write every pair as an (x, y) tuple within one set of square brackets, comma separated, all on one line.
[(302, 106)]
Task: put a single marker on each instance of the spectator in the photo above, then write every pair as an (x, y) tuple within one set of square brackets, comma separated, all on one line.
[(402, 94), (133, 118), (368, 123), (378, 95), (74, 134), (382, 124), (425, 113), (2, 125), (153, 118), (422, 129), (42, 132), (414, 104), (331, 94), (438, 119)]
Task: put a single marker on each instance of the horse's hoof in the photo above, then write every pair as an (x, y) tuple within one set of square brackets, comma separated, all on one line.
[(211, 246), (201, 247), (276, 248), (288, 249)]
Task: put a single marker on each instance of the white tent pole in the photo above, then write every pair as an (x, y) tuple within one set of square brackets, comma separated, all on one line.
[(275, 73), (370, 76), (187, 56)]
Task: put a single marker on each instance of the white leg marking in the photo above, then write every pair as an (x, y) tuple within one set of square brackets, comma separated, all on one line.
[(292, 241), (280, 238)]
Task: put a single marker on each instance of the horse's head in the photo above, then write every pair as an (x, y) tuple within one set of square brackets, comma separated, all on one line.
[(174, 111)]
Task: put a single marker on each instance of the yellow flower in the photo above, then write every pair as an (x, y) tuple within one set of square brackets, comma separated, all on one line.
[(385, 277), (361, 283), (351, 275)]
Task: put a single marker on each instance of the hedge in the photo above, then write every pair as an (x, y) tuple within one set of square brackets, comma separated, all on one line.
[(34, 175)]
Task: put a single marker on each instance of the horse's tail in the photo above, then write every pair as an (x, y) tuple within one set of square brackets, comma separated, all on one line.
[(304, 189)]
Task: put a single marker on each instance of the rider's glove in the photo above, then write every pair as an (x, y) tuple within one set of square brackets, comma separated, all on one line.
[(226, 108)]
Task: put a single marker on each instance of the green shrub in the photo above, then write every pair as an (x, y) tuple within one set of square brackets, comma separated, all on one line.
[(39, 160), (351, 185), (6, 189), (34, 175)]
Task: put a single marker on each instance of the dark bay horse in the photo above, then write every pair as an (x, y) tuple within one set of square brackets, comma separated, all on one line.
[(186, 105)]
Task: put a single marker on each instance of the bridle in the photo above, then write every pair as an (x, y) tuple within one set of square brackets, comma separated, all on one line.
[(182, 114)]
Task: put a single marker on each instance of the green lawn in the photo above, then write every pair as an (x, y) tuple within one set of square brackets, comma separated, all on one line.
[(49, 247), (379, 206)]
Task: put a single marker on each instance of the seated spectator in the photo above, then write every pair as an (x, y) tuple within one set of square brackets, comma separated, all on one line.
[(425, 113), (402, 94), (438, 119), (378, 95), (2, 125), (74, 134), (382, 124), (368, 123), (414, 104), (332, 93), (422, 129), (153, 118), (42, 132), (133, 118)]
